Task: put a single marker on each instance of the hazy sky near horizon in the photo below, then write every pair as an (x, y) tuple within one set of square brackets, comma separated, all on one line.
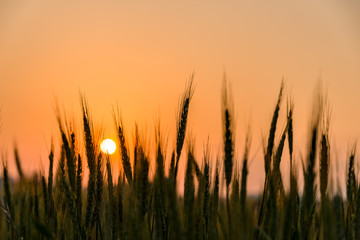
[(138, 56)]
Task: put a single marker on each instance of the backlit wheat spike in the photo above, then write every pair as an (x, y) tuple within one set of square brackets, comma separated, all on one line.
[(142, 183), (70, 203), (351, 189), (124, 150), (70, 162), (324, 164), (182, 120), (90, 154), (244, 173), (271, 139), (50, 176), (308, 199), (18, 162), (98, 193), (159, 188), (228, 136), (290, 130), (268, 151)]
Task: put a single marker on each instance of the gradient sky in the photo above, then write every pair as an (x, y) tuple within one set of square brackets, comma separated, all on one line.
[(138, 56)]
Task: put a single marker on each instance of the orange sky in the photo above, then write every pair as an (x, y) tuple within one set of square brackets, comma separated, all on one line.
[(139, 55)]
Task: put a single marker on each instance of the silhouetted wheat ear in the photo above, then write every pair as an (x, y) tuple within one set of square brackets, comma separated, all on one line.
[(308, 199), (90, 155), (216, 188), (50, 176), (228, 136), (136, 150), (293, 204), (228, 131), (279, 186), (181, 121), (198, 173), (268, 151), (271, 139), (142, 183), (228, 147), (70, 201), (290, 131), (98, 191), (159, 193), (279, 151), (88, 136), (172, 166), (351, 181), (124, 151), (324, 164), (160, 171), (244, 173), (18, 162), (70, 161), (351, 190)]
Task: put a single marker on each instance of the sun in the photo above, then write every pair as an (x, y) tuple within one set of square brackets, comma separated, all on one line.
[(108, 146)]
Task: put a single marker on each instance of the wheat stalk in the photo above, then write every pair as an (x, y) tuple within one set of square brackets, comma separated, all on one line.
[(182, 120)]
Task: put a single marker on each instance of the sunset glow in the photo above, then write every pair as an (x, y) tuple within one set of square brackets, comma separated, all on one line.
[(231, 119), (108, 146), (138, 57)]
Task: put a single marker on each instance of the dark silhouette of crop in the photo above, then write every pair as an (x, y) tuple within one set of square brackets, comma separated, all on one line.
[(79, 199)]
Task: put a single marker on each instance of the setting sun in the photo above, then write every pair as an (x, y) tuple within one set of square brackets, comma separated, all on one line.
[(108, 146)]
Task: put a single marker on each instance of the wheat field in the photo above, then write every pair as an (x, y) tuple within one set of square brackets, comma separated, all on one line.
[(140, 205)]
